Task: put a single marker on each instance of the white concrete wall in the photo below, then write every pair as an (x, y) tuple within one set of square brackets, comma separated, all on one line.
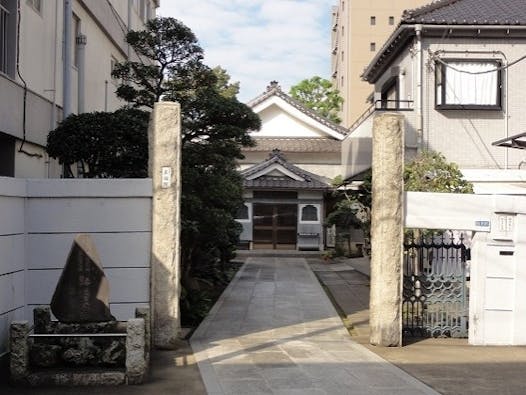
[(12, 255), (40, 219), (497, 305)]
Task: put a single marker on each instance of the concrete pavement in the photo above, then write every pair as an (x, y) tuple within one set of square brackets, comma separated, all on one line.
[(274, 331), (450, 366)]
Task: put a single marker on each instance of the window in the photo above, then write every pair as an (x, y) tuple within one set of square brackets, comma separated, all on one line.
[(343, 56), (391, 20), (373, 20), (113, 63), (243, 213), (390, 95), (8, 37), (372, 47), (7, 155), (309, 213), (468, 84), (35, 5)]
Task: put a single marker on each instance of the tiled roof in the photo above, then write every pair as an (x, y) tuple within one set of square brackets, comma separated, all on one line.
[(311, 181), (295, 145), (469, 12), (283, 184), (275, 90), (497, 13)]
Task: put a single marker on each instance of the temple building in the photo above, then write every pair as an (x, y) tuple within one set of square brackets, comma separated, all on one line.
[(287, 175)]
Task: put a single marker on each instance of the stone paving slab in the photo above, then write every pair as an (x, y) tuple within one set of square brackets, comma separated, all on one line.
[(274, 331)]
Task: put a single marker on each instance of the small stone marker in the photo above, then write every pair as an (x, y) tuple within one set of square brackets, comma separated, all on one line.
[(82, 292)]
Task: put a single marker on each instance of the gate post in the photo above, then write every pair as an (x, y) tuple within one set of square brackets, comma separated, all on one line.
[(164, 137), (387, 230)]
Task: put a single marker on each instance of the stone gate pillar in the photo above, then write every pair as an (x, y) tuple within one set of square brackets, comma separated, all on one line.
[(164, 137), (387, 230)]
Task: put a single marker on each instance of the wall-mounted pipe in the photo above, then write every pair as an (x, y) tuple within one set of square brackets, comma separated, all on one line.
[(419, 88), (68, 44), (81, 66)]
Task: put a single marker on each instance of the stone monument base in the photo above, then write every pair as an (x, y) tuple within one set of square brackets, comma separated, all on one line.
[(78, 354)]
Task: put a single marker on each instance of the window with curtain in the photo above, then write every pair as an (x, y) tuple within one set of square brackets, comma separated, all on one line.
[(471, 84)]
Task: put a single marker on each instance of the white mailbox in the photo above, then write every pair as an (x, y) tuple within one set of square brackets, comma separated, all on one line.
[(498, 281)]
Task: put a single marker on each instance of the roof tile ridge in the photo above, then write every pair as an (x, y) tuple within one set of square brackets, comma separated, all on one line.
[(275, 90), (411, 14)]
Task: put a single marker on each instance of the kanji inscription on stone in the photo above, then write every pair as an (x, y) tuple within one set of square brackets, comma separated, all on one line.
[(82, 293)]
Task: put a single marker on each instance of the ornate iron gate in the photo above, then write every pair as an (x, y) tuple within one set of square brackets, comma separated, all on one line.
[(435, 293)]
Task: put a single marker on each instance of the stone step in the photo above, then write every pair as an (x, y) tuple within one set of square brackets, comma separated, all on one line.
[(277, 253)]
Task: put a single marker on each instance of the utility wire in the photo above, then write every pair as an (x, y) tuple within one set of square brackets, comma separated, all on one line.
[(499, 68)]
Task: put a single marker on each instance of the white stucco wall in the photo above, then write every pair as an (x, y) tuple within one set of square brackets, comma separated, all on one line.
[(12, 255), (276, 123)]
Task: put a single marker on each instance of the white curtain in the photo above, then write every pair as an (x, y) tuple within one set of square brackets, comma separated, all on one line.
[(471, 89)]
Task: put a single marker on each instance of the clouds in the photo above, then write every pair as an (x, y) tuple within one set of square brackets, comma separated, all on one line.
[(260, 40)]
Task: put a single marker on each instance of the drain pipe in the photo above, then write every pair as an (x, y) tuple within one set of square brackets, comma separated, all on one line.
[(81, 57), (130, 9), (419, 88), (54, 108), (506, 111), (66, 88)]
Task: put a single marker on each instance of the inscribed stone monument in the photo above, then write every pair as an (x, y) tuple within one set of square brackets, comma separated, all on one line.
[(82, 292)]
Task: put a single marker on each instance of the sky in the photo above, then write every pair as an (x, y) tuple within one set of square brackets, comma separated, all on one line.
[(258, 41)]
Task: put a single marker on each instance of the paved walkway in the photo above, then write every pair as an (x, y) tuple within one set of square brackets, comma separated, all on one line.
[(274, 331), (450, 366)]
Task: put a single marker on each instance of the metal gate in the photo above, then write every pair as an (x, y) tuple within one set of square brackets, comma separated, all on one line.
[(435, 292)]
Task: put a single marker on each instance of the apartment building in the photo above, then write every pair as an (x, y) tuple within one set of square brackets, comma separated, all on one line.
[(52, 66), (360, 27)]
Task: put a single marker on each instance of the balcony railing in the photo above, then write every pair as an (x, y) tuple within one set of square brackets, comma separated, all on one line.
[(394, 105), (4, 17), (383, 105)]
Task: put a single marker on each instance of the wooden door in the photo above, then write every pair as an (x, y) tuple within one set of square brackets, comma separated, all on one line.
[(275, 226)]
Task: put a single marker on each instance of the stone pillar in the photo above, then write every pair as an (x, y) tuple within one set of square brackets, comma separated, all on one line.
[(387, 230), (164, 137), (144, 313), (19, 346), (135, 359)]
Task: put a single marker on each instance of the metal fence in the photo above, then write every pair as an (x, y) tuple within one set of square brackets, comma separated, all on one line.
[(435, 284)]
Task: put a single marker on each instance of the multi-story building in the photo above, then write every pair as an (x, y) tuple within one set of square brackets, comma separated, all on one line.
[(455, 69), (46, 74), (360, 27)]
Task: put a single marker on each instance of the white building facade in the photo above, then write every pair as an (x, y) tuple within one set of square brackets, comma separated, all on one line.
[(454, 69), (35, 76)]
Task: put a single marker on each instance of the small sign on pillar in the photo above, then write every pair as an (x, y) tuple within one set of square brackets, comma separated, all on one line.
[(166, 177)]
